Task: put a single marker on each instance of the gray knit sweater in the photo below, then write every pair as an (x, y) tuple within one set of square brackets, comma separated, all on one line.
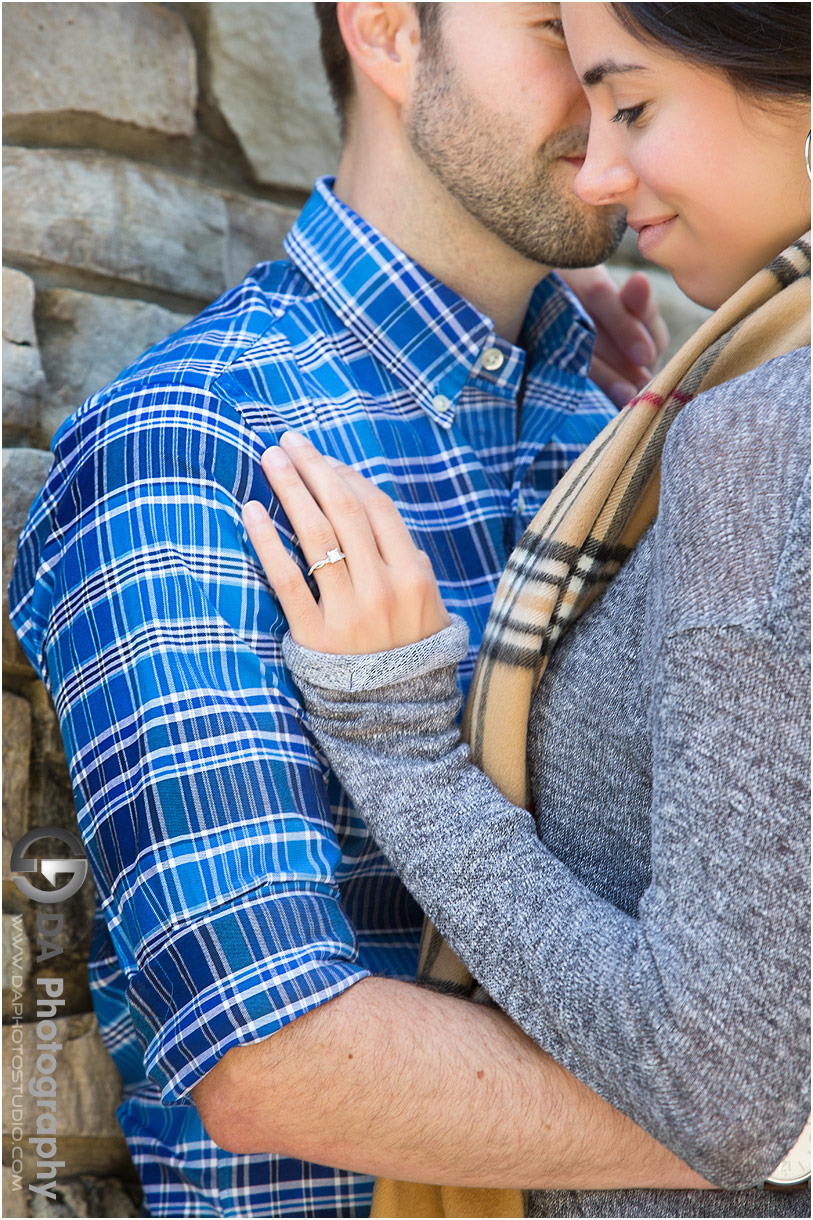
[(648, 925)]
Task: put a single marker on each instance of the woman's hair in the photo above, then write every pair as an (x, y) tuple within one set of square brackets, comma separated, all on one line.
[(764, 49), (334, 53)]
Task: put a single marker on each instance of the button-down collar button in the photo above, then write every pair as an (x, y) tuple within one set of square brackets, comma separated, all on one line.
[(441, 403), (493, 359)]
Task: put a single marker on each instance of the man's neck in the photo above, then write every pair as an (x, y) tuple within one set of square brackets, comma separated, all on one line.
[(418, 215)]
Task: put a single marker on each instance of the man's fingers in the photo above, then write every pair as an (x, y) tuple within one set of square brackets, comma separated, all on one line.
[(624, 329), (617, 388), (627, 332), (283, 573), (638, 298), (607, 355)]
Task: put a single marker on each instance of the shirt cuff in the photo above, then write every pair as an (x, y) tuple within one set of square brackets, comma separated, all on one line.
[(375, 670), (252, 969)]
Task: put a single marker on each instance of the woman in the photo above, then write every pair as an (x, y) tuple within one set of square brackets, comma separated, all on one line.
[(645, 922)]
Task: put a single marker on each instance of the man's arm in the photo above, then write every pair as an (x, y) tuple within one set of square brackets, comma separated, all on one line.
[(400, 1081)]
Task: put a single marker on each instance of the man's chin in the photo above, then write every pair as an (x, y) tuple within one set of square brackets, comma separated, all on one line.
[(595, 235)]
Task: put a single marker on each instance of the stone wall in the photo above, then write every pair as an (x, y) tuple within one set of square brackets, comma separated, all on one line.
[(153, 153)]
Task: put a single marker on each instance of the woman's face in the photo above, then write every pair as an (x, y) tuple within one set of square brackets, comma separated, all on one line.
[(714, 185)]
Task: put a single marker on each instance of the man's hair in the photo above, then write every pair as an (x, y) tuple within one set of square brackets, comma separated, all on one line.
[(334, 53)]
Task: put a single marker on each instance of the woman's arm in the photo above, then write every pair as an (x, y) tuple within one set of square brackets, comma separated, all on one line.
[(690, 1019), (685, 1018)]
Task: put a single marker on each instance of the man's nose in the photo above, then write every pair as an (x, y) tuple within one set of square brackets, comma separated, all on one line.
[(604, 177)]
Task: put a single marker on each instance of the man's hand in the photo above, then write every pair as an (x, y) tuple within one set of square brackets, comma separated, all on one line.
[(400, 1081), (631, 335)]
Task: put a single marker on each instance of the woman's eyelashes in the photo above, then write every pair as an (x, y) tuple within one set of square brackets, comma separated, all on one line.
[(628, 115)]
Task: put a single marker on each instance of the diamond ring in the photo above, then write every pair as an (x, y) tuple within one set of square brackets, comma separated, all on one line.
[(334, 555)]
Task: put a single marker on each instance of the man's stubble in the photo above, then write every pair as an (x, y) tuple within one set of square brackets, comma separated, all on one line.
[(524, 199)]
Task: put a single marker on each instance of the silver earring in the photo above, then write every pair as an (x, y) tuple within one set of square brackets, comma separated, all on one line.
[(807, 154)]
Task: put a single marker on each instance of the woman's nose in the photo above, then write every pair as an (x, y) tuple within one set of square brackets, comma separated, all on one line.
[(604, 177)]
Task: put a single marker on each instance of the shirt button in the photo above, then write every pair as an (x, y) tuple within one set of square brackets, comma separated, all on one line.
[(521, 502), (441, 403), (493, 359)]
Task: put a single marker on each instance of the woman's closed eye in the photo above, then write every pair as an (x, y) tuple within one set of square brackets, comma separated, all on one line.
[(629, 114)]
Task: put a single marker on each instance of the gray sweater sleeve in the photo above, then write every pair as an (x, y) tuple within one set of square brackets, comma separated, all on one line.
[(687, 1017)]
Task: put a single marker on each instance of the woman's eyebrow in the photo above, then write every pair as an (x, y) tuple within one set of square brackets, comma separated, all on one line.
[(608, 67)]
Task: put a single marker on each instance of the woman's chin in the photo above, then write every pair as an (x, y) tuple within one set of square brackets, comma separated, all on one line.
[(702, 290)]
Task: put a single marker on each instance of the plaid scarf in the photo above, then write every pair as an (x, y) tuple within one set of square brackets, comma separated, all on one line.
[(570, 552)]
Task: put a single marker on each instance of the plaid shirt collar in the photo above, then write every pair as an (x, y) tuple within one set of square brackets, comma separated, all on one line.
[(424, 333)]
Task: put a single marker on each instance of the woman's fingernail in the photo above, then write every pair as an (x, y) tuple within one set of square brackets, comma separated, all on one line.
[(253, 513), (274, 457), (294, 439)]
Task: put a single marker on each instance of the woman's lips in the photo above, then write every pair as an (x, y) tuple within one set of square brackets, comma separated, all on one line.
[(650, 233)]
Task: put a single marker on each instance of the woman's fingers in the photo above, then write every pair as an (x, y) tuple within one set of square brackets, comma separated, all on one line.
[(627, 326), (410, 567), (339, 507), (315, 532), (389, 529), (289, 585), (367, 604)]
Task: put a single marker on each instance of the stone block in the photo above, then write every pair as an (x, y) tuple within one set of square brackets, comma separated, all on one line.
[(24, 472), (85, 1195), (18, 308), (88, 1085), (98, 1155), (16, 1196), (23, 380), (132, 63), (114, 218), (16, 764), (256, 233), (267, 80), (70, 1199), (110, 1197), (86, 342), (134, 223), (15, 662)]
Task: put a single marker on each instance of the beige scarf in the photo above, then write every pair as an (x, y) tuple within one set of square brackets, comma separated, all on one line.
[(572, 549)]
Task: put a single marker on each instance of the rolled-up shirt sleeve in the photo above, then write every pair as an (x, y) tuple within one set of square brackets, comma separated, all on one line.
[(201, 797)]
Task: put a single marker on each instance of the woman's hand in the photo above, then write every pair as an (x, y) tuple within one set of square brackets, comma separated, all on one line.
[(382, 595)]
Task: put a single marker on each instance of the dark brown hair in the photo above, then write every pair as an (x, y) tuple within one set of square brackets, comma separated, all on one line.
[(334, 53), (764, 49)]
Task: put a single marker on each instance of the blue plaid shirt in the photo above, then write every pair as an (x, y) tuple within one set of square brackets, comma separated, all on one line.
[(237, 888)]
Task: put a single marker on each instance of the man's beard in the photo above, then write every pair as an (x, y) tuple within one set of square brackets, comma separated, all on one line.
[(528, 204)]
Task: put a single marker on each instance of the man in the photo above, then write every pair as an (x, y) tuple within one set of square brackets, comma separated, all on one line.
[(413, 332)]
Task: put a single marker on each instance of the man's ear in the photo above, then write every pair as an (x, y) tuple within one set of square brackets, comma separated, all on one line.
[(382, 41)]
